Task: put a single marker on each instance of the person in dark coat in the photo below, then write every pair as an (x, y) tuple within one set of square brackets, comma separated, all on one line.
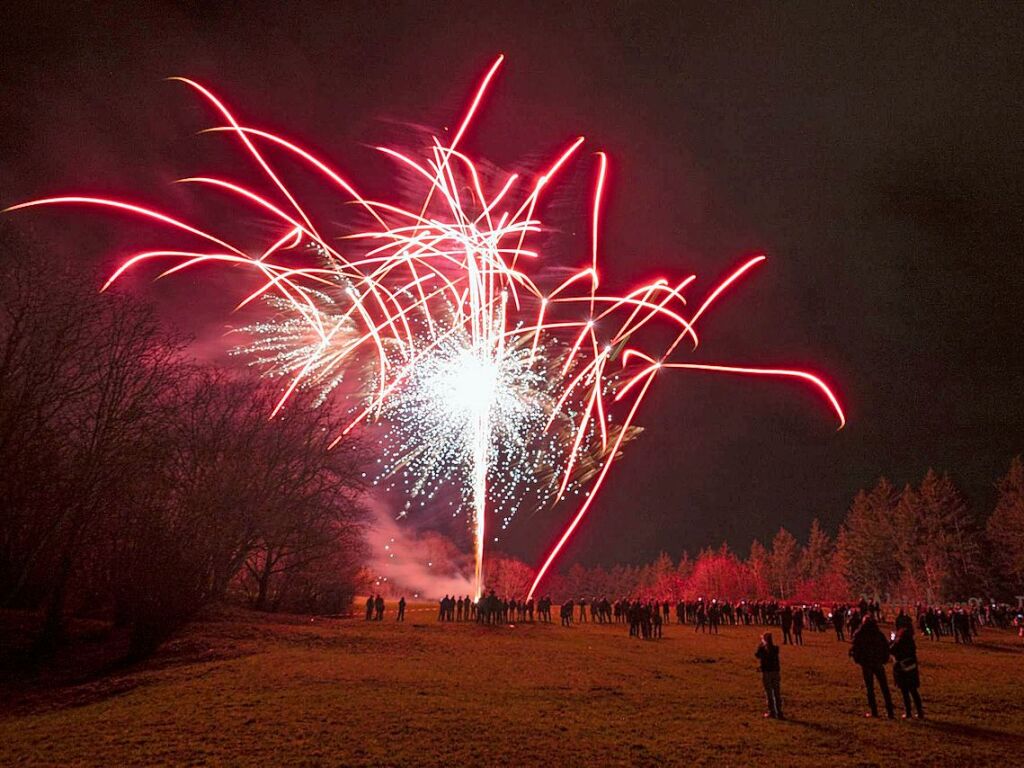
[(854, 621), (798, 626), (838, 617), (656, 622), (786, 620), (565, 613), (905, 672), (369, 607), (771, 676), (401, 609), (870, 650)]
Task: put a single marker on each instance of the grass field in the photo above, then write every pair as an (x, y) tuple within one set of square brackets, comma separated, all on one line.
[(263, 690)]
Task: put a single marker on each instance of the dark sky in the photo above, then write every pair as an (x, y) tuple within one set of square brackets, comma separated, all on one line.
[(874, 153)]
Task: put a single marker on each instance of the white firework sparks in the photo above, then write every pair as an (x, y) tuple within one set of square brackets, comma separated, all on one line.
[(482, 377)]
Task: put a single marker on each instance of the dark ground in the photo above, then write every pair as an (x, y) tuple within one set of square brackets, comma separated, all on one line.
[(270, 690)]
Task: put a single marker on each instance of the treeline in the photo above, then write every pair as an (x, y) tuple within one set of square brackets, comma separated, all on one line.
[(924, 542), (921, 543), (138, 485)]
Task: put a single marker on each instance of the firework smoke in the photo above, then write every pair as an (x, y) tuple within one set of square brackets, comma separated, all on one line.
[(481, 378)]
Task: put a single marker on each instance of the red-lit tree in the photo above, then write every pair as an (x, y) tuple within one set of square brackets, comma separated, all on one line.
[(1006, 529)]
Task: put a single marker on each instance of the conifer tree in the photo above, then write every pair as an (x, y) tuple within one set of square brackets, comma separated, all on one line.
[(785, 552), (759, 568), (865, 541), (910, 546), (951, 540), (1006, 529), (816, 557)]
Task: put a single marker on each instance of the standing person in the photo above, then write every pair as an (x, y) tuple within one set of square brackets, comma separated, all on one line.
[(645, 621), (870, 650), (798, 626), (401, 609), (838, 622), (786, 619), (369, 607), (905, 672), (963, 623), (767, 654), (854, 621), (714, 616), (379, 604)]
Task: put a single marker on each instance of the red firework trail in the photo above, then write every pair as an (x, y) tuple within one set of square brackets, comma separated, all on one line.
[(458, 345)]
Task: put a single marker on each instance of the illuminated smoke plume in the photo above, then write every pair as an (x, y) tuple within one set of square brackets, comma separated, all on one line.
[(436, 324), (422, 565)]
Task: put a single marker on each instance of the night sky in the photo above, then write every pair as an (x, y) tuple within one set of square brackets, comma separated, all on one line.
[(874, 154)]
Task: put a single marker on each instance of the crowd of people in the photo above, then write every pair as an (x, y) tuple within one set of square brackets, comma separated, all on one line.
[(869, 648), (961, 622)]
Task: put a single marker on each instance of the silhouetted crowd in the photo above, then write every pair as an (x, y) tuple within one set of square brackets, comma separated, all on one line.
[(870, 649), (645, 618), (961, 622)]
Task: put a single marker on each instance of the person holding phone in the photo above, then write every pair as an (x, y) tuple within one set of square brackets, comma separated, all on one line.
[(771, 676), (905, 672)]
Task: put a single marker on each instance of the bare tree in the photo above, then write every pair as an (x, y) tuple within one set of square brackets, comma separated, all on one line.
[(82, 381), (309, 506), (240, 493), (136, 484)]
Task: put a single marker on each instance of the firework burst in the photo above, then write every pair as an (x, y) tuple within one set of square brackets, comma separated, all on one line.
[(435, 322)]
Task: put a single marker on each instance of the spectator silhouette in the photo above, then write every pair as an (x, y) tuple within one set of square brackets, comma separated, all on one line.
[(838, 622), (905, 672), (871, 651), (771, 676)]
